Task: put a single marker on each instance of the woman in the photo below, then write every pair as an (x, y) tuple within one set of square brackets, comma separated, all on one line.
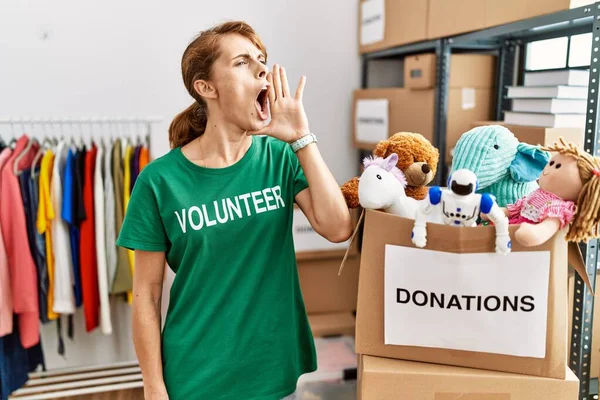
[(219, 208)]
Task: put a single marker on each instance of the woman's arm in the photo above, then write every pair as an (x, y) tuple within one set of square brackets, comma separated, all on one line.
[(323, 202), (147, 294)]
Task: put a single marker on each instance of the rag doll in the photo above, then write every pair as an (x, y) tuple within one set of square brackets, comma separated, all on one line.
[(568, 195)]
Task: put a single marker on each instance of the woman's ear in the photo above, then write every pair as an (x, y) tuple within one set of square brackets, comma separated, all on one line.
[(205, 89)]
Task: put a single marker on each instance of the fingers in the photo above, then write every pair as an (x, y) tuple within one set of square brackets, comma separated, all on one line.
[(271, 92), (300, 90), (285, 88), (277, 81)]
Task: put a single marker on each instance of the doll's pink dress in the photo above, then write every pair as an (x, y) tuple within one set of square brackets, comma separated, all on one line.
[(539, 205)]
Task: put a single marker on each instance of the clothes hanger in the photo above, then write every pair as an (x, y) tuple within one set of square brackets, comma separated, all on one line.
[(20, 156), (46, 145), (13, 141)]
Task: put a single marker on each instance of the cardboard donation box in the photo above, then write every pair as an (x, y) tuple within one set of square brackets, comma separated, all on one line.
[(386, 379), (457, 302)]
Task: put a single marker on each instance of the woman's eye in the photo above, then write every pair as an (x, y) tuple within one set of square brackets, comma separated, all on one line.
[(240, 63)]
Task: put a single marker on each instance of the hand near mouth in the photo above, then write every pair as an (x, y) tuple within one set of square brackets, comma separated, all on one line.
[(288, 119)]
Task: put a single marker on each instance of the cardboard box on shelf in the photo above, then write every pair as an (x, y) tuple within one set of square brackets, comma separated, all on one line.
[(310, 245), (387, 23), (323, 290), (498, 12), (466, 105), (495, 338), (379, 113), (466, 71), (332, 324), (538, 135), (452, 17), (386, 379)]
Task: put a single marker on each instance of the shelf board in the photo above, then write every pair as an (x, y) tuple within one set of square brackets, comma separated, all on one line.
[(577, 19), (403, 50), (568, 22)]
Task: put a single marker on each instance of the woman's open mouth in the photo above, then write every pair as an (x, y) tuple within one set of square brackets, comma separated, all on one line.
[(261, 103)]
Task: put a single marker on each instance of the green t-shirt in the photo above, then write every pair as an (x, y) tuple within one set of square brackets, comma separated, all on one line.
[(236, 326)]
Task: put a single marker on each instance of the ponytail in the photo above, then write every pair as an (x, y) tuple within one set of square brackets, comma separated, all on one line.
[(188, 125)]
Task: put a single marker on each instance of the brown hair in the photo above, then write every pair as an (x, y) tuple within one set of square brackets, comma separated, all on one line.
[(587, 215), (196, 63)]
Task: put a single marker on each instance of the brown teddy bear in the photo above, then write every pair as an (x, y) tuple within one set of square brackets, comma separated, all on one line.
[(417, 158)]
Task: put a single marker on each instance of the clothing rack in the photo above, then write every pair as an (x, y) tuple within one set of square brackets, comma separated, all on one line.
[(46, 133), (113, 124)]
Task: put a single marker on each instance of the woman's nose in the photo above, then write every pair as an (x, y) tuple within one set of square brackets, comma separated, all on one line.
[(262, 70)]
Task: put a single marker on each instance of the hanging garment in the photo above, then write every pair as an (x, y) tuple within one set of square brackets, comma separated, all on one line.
[(37, 242), (89, 265), (126, 196), (22, 270), (6, 304), (64, 299), (68, 216), (45, 217), (105, 323), (135, 166), (109, 218), (123, 280), (144, 157), (16, 362)]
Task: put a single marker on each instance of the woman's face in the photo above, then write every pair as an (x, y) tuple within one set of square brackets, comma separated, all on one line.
[(239, 77)]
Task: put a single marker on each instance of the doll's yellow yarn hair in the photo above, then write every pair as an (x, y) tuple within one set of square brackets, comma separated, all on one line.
[(586, 221)]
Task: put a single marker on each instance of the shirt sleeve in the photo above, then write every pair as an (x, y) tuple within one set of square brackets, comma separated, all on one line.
[(563, 210), (299, 179), (142, 227)]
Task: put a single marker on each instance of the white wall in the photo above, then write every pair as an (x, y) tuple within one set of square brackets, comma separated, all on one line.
[(122, 58)]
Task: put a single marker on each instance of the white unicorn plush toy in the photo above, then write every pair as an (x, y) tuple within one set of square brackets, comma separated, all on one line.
[(381, 186)]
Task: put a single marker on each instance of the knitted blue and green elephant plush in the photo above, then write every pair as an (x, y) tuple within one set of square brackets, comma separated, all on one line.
[(504, 167)]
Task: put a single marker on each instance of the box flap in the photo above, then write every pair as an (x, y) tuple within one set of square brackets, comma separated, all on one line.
[(350, 247), (578, 263)]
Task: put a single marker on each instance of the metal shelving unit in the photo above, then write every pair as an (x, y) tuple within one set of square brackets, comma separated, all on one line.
[(509, 42)]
